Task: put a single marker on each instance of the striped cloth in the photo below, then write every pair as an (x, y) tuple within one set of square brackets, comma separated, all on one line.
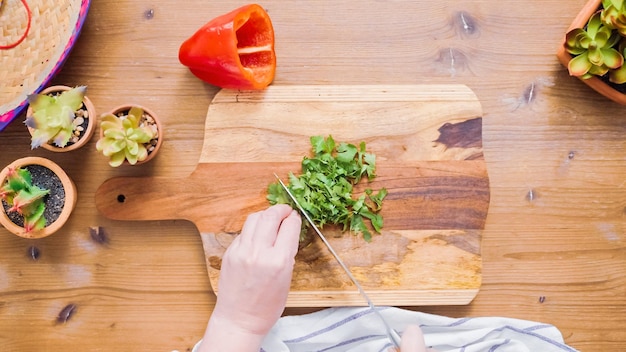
[(359, 329)]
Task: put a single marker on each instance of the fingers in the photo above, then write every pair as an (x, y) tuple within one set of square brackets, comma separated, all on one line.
[(261, 228), (249, 228), (289, 233), (413, 340)]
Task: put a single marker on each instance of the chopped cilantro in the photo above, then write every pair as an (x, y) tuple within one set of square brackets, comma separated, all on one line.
[(324, 189)]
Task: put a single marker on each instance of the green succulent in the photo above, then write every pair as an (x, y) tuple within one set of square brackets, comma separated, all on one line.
[(125, 137), (593, 49), (613, 15), (53, 116), (25, 198)]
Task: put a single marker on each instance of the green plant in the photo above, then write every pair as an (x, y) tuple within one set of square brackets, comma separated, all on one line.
[(125, 137), (598, 48), (325, 187), (593, 48), (25, 198), (53, 116)]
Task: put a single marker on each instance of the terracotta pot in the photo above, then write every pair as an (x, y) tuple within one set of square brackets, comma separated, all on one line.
[(126, 108), (564, 57), (91, 122), (70, 198)]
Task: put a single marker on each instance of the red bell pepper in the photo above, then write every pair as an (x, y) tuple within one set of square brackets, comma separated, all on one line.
[(235, 50)]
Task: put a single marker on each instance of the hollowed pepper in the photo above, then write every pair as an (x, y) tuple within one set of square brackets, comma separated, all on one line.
[(234, 51)]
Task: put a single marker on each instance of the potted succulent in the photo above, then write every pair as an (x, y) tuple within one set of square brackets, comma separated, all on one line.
[(60, 118), (594, 48), (129, 134), (37, 197)]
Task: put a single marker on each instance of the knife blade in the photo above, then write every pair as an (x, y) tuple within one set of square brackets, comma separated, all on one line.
[(391, 333)]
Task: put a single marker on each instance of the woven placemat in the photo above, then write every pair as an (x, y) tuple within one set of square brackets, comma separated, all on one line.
[(28, 67)]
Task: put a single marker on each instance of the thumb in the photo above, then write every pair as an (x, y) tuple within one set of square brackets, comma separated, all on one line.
[(412, 340)]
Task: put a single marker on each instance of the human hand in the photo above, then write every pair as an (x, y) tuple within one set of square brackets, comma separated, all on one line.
[(254, 280), (413, 340)]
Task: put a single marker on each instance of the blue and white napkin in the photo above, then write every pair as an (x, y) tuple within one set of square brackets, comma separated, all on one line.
[(359, 329)]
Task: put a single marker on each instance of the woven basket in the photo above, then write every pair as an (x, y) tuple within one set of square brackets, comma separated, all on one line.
[(29, 67)]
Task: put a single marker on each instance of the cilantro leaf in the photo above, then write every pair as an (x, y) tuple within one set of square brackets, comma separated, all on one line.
[(324, 189), (346, 153)]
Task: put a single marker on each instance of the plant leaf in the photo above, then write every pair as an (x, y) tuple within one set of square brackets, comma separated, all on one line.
[(40, 137), (135, 115), (72, 98), (40, 101), (618, 76), (142, 154), (579, 65), (132, 158), (612, 58), (117, 159), (114, 148)]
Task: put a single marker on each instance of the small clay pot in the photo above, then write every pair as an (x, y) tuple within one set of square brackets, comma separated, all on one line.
[(89, 130), (70, 198), (564, 57), (159, 139)]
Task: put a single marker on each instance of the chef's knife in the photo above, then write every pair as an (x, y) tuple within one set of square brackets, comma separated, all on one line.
[(391, 333)]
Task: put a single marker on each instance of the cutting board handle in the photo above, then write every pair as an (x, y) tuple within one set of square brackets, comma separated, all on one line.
[(216, 197), (141, 198)]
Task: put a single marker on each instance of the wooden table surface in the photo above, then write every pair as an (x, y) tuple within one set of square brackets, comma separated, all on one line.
[(554, 246)]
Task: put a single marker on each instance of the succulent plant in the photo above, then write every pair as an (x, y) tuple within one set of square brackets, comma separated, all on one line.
[(53, 116), (125, 137), (25, 198), (593, 49)]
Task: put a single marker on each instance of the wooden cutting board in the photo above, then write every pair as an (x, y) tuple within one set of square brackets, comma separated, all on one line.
[(428, 142)]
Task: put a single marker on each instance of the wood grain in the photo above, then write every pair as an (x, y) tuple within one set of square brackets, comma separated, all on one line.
[(545, 134), (428, 144)]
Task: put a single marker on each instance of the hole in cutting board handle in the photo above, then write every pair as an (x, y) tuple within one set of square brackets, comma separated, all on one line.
[(121, 198)]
